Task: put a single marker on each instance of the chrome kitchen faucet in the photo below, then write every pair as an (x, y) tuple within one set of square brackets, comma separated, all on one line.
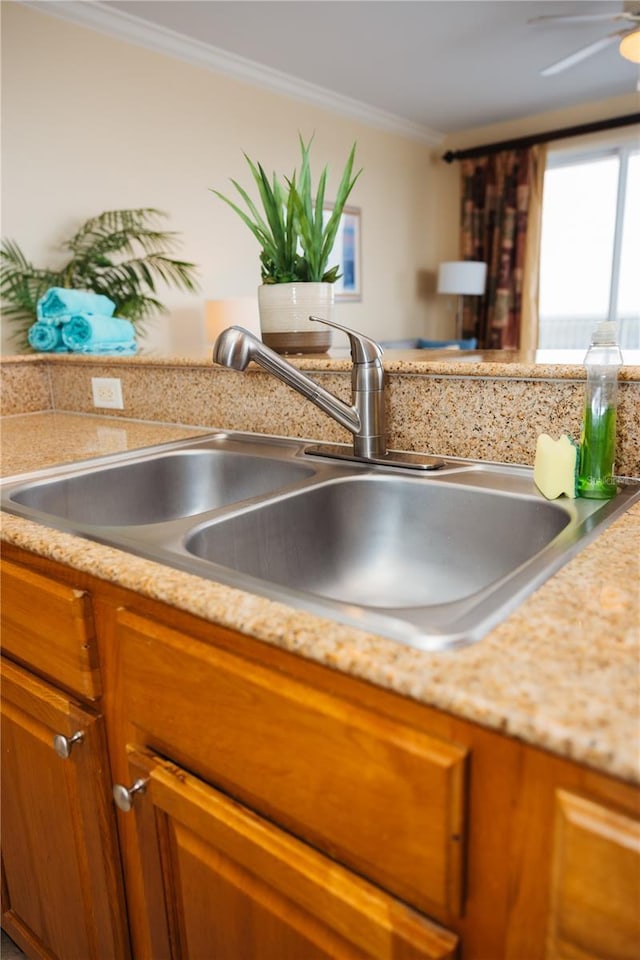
[(365, 418), (235, 347)]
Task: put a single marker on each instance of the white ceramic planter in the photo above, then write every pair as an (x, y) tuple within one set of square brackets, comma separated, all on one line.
[(284, 316)]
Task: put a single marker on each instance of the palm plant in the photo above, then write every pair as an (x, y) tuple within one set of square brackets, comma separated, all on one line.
[(120, 253), (295, 240)]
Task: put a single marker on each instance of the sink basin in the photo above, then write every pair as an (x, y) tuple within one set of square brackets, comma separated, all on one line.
[(383, 541), (159, 488), (432, 560)]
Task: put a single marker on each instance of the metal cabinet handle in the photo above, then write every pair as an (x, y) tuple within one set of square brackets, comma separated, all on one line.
[(64, 745), (124, 796)]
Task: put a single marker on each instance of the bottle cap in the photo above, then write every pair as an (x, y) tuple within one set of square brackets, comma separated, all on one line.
[(605, 332)]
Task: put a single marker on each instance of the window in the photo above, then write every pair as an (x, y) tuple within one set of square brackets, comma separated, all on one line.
[(590, 247)]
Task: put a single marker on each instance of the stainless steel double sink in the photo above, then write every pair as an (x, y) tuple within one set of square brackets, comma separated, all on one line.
[(429, 559)]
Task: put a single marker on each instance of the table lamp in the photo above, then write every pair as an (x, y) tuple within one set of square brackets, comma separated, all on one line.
[(464, 278), (231, 312)]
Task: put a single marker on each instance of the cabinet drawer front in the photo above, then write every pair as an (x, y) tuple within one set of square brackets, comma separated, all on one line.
[(237, 881), (379, 796), (49, 626)]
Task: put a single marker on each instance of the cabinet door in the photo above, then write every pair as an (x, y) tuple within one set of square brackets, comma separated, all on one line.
[(222, 882), (595, 905), (62, 891), (384, 798)]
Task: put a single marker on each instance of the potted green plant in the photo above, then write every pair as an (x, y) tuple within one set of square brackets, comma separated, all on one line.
[(120, 253), (296, 242)]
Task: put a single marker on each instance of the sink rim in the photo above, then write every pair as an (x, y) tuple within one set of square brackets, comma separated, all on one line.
[(165, 544)]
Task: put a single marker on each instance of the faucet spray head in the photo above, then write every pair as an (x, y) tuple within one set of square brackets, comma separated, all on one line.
[(234, 348)]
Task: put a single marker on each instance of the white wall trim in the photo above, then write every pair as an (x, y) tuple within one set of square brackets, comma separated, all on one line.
[(132, 29)]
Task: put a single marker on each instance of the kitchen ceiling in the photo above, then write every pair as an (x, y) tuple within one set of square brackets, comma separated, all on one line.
[(439, 66)]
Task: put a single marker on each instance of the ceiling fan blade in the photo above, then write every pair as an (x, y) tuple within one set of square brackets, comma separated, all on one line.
[(580, 55)]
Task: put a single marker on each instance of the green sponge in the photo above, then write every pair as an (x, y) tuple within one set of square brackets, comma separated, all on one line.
[(555, 469)]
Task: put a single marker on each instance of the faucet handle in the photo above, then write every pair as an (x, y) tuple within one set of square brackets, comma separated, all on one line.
[(363, 349)]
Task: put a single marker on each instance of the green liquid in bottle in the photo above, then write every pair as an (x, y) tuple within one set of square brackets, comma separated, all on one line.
[(597, 453), (598, 442)]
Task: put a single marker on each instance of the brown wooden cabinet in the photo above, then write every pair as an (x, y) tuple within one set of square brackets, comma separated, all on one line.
[(289, 810), (62, 893), (48, 626), (381, 799), (350, 781), (595, 898), (222, 882)]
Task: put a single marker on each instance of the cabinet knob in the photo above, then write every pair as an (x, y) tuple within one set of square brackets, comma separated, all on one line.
[(64, 745), (124, 796)]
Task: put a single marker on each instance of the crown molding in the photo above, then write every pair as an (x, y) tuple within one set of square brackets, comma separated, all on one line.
[(124, 26)]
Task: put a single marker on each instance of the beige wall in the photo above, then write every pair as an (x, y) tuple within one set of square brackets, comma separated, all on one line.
[(91, 123)]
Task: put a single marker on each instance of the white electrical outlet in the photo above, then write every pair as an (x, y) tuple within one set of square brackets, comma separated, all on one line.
[(107, 392)]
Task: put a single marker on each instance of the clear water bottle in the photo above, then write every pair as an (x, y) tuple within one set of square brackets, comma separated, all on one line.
[(598, 442)]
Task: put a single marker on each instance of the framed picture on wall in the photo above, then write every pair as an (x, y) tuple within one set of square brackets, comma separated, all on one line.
[(346, 250)]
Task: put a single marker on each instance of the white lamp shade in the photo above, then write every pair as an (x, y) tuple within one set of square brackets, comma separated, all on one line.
[(464, 277), (231, 312)]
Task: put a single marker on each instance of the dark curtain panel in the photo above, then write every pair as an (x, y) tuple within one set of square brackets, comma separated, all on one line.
[(495, 203)]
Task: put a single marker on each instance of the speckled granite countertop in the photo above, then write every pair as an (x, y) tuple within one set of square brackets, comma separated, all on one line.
[(485, 363), (562, 672)]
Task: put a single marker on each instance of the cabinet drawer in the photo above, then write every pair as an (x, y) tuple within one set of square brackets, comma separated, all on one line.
[(49, 627), (381, 797)]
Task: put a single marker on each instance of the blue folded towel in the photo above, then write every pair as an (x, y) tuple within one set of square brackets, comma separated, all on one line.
[(59, 302), (84, 333), (46, 338)]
